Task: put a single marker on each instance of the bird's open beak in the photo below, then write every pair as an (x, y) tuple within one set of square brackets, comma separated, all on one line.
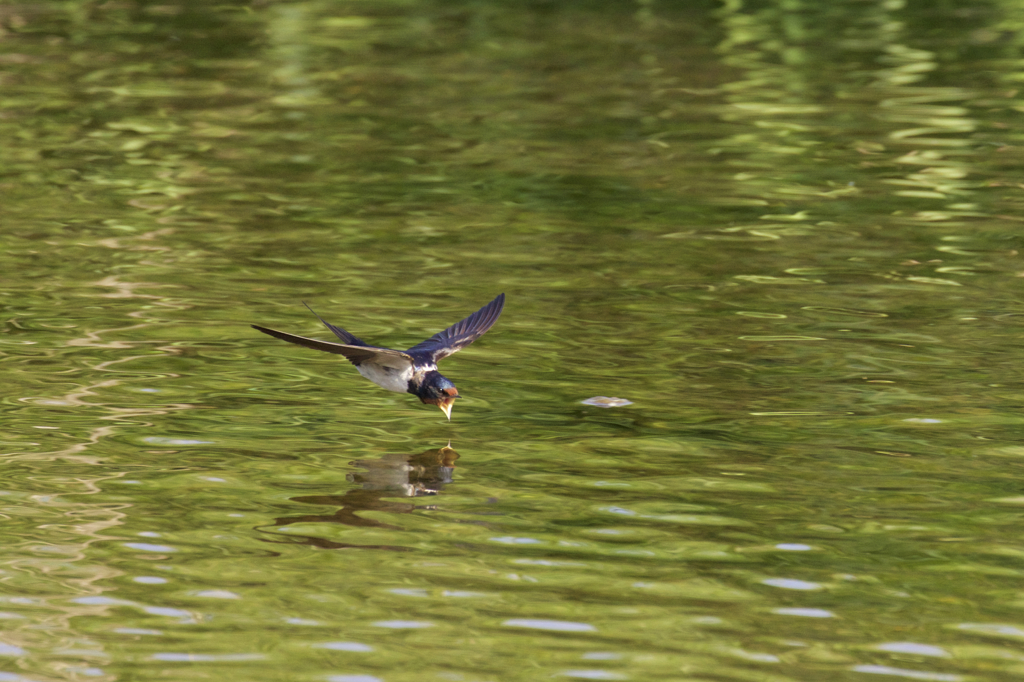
[(446, 407)]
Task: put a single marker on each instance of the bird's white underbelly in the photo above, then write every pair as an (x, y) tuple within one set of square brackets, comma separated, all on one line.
[(391, 378)]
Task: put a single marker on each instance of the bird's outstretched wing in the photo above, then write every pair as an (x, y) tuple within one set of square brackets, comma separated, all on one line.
[(460, 334), (357, 354), (349, 339)]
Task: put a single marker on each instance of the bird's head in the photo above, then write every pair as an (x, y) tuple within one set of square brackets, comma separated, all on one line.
[(438, 390)]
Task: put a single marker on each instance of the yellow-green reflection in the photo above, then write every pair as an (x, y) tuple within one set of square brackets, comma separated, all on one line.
[(786, 232)]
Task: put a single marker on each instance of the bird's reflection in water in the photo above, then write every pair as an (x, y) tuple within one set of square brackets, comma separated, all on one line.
[(379, 481)]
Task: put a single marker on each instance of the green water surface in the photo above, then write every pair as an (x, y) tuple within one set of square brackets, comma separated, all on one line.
[(789, 233)]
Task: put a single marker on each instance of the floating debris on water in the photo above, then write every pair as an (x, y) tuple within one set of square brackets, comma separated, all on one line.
[(603, 401)]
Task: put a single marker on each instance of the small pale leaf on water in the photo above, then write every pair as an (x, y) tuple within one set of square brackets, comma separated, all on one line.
[(934, 280), (603, 401)]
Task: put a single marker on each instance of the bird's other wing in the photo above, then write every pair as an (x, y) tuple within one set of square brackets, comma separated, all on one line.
[(356, 354), (338, 331), (460, 334)]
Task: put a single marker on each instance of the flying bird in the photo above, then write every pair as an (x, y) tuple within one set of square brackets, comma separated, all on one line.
[(406, 371)]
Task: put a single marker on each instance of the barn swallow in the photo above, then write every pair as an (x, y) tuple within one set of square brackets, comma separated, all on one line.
[(409, 371)]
